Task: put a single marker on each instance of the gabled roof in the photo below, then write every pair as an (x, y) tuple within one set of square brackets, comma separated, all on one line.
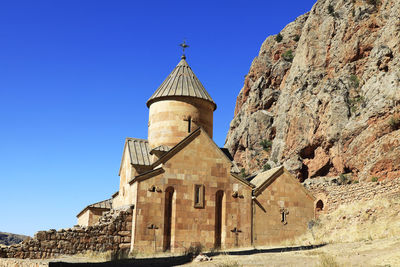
[(105, 204), (178, 147), (236, 176), (226, 152), (235, 168), (264, 179), (138, 151), (187, 140), (146, 175), (181, 82), (156, 169)]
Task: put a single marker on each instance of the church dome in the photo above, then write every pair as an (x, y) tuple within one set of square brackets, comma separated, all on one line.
[(181, 82)]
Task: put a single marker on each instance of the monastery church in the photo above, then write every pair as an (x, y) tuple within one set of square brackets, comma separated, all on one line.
[(186, 191)]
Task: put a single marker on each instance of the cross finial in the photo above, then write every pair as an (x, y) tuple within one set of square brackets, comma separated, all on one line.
[(184, 46)]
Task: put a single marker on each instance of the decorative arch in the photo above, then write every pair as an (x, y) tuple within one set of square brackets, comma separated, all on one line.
[(320, 204), (319, 208), (168, 217), (219, 219)]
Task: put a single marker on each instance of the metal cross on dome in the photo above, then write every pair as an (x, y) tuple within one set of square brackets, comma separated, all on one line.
[(184, 46)]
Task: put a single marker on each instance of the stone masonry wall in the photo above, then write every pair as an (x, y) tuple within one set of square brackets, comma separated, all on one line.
[(199, 163), (335, 195), (112, 233), (283, 194), (23, 263)]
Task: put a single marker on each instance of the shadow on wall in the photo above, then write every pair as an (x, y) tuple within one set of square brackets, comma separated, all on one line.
[(180, 260)]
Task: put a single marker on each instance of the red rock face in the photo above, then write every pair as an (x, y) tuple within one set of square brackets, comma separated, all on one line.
[(327, 96)]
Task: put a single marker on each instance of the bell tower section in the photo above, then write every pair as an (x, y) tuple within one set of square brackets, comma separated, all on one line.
[(179, 106)]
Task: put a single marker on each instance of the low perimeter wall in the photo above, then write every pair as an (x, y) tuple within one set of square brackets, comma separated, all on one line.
[(112, 233), (23, 263), (336, 195)]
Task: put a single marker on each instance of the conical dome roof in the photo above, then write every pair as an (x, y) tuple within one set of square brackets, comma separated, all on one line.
[(181, 82)]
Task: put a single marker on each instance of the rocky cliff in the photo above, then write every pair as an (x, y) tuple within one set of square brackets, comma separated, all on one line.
[(323, 96)]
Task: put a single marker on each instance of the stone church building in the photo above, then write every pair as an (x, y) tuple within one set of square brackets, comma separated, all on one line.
[(186, 191)]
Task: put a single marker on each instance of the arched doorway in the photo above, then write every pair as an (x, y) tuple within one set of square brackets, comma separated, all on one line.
[(169, 194), (219, 196)]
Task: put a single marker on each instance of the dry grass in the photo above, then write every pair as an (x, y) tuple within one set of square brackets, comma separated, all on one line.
[(359, 221), (92, 256), (314, 253), (327, 261), (228, 263)]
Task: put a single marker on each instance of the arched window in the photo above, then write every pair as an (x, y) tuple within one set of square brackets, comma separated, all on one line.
[(199, 196), (219, 221), (169, 193)]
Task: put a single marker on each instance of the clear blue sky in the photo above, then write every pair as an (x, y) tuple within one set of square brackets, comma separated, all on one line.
[(75, 77)]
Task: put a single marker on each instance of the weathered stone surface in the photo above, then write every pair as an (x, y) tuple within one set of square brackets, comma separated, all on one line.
[(331, 108), (23, 263), (100, 237), (333, 195), (124, 246), (124, 233)]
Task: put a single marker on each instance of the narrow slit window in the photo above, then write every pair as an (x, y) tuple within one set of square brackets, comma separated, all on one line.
[(189, 124), (199, 196)]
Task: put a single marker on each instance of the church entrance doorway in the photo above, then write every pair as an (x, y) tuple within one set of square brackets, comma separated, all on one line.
[(169, 193), (218, 218)]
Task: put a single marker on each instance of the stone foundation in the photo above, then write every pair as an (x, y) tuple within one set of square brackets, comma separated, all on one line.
[(112, 233)]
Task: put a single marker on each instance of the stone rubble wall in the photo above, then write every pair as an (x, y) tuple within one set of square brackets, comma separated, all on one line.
[(23, 263), (335, 195), (112, 233)]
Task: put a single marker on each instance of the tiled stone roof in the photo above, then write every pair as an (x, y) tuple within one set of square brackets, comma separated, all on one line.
[(263, 177), (181, 82), (105, 204), (139, 151)]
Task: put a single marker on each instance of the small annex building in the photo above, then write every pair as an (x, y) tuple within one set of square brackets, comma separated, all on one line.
[(92, 213), (282, 207), (186, 191)]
